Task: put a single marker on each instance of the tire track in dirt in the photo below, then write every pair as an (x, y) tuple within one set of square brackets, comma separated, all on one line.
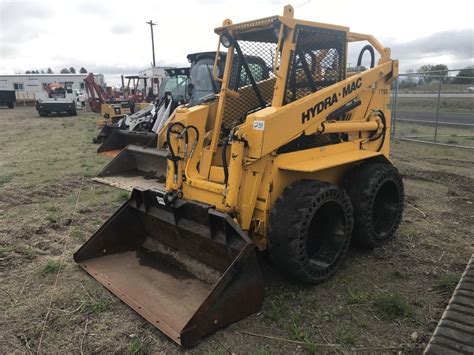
[(453, 180), (36, 194), (450, 162), (459, 197)]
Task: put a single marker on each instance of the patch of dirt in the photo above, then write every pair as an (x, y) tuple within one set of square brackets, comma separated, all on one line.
[(35, 194), (451, 162), (454, 180)]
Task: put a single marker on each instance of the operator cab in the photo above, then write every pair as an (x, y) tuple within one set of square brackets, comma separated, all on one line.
[(176, 82)]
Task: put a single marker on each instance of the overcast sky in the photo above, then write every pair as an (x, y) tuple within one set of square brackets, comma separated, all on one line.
[(111, 37)]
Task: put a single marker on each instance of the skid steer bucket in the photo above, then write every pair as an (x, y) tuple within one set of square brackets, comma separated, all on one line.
[(135, 167), (188, 269), (119, 139)]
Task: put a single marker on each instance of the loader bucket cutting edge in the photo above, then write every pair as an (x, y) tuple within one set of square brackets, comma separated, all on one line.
[(188, 269), (136, 167), (119, 139)]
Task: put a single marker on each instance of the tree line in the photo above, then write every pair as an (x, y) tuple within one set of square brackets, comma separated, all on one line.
[(435, 73), (70, 70)]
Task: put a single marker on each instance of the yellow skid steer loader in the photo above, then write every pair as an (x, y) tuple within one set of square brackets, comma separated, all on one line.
[(290, 156)]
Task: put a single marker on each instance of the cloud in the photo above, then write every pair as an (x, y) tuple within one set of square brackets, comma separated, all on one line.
[(120, 29), (114, 69), (18, 12), (93, 8), (8, 50), (454, 48), (22, 21), (457, 44)]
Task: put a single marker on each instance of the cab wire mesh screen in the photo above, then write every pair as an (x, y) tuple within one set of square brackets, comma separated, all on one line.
[(317, 62), (255, 90)]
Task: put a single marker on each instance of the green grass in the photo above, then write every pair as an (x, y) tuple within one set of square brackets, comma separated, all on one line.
[(123, 196), (398, 275), (136, 347), (311, 348), (355, 297), (95, 307), (425, 132), (261, 351), (101, 191), (52, 218), (27, 251), (51, 208), (276, 310), (218, 352), (458, 105), (77, 234), (4, 251), (297, 332), (51, 267), (5, 179), (346, 337), (392, 306), (447, 283)]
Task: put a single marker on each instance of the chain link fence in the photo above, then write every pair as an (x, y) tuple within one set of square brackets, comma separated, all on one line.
[(435, 107)]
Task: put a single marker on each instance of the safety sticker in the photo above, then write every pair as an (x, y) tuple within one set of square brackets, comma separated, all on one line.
[(259, 125)]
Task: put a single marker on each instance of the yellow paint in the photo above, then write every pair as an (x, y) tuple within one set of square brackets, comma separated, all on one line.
[(258, 173)]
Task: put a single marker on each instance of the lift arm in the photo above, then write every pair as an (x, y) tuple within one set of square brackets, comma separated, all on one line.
[(270, 128)]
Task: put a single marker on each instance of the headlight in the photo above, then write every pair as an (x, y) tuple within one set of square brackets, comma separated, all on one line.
[(226, 40)]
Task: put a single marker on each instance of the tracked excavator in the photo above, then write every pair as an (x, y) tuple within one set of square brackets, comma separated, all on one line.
[(290, 156)]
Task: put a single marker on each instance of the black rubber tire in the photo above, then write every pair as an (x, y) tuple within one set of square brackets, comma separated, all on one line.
[(11, 105), (310, 230), (43, 114), (377, 195)]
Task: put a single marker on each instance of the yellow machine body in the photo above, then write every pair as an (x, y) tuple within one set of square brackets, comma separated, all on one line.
[(257, 174), (111, 112)]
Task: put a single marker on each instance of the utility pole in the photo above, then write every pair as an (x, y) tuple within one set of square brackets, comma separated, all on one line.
[(152, 40)]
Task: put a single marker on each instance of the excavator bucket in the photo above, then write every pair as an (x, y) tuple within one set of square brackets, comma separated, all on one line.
[(135, 167), (187, 268), (118, 139)]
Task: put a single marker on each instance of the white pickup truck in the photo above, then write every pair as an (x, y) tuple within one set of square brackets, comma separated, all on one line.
[(58, 99)]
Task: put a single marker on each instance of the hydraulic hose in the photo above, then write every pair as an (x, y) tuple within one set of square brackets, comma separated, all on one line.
[(384, 129), (369, 48), (172, 156), (196, 140), (224, 159), (186, 138)]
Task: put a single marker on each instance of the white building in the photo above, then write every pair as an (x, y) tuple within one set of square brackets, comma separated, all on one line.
[(156, 74), (30, 86)]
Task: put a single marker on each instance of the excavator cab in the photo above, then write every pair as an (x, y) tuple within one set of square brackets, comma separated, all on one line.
[(280, 128)]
